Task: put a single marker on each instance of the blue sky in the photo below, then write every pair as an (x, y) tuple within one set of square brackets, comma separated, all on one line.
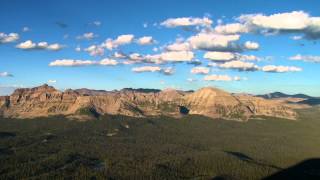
[(282, 38)]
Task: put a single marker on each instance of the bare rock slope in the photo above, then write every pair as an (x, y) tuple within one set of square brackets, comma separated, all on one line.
[(46, 100)]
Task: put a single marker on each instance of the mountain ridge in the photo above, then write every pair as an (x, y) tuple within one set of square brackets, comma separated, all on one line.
[(212, 102)]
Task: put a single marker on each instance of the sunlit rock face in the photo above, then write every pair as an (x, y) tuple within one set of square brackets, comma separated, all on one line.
[(211, 102)]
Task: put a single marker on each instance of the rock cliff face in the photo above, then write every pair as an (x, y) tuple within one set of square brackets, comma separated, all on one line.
[(46, 100)]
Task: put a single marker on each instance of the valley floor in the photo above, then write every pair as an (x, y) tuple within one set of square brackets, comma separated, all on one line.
[(194, 147)]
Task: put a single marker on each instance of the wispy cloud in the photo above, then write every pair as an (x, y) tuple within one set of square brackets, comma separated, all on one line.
[(306, 58)]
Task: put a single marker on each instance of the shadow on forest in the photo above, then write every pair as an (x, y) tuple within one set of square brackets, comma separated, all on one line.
[(7, 134), (248, 159), (307, 169)]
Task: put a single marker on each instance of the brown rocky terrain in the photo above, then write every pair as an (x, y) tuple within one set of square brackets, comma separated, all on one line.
[(212, 102)]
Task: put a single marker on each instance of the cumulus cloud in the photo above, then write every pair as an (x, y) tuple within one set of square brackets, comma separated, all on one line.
[(8, 38), (145, 40), (119, 55), (26, 45), (178, 46), (54, 47), (200, 70), (233, 28), (239, 65), (136, 57), (119, 41), (219, 56), (177, 56), (95, 50), (214, 42), (146, 69), (29, 45), (251, 45), (186, 21), (280, 69), (87, 36), (306, 58), (108, 62), (5, 74), (244, 57), (215, 77), (295, 21), (155, 58), (72, 62)]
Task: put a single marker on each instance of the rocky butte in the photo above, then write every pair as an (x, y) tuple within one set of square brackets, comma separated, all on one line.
[(211, 102)]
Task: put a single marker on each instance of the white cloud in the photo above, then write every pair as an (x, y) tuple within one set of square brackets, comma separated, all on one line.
[(296, 37), (219, 56), (186, 21), (120, 40), (8, 38), (42, 45), (95, 50), (168, 71), (96, 23), (26, 45), (29, 45), (25, 29), (146, 69), (212, 41), (177, 56), (87, 36), (145, 40), (280, 69), (191, 80), (119, 55), (72, 62), (155, 58), (51, 81), (239, 65), (295, 20), (306, 58), (251, 45), (200, 70), (215, 77), (108, 62), (54, 47), (178, 46), (136, 57), (78, 49), (145, 25), (233, 28), (243, 57), (5, 74)]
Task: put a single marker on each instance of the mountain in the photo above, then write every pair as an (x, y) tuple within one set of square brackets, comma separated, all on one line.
[(283, 95), (311, 101), (211, 102)]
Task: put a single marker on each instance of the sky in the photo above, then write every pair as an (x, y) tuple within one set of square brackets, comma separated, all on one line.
[(251, 46)]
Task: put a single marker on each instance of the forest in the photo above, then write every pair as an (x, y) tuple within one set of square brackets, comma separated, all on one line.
[(192, 147)]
